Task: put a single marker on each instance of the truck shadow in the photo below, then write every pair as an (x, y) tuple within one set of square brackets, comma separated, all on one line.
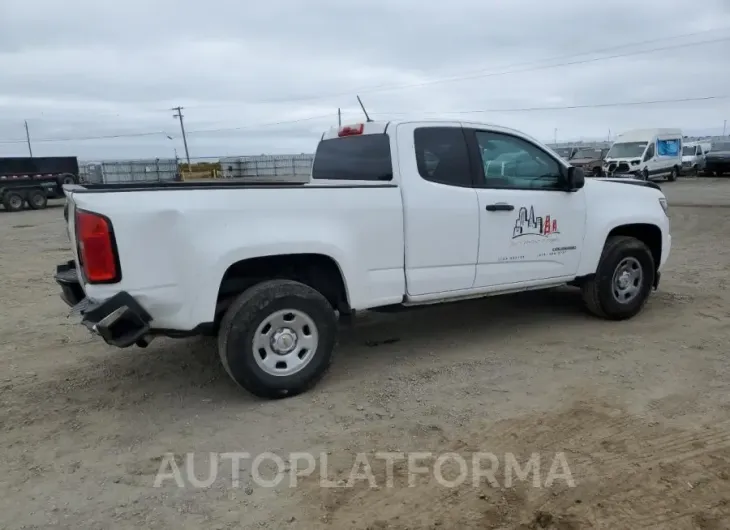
[(191, 366), (176, 376)]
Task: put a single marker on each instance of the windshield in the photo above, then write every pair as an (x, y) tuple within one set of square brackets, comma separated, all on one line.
[(588, 153), (688, 150), (365, 157), (721, 146), (626, 150)]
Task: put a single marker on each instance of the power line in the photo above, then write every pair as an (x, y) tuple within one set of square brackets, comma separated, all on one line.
[(437, 81), (156, 133), (394, 113), (84, 138), (514, 68), (566, 107), (478, 73), (270, 124)]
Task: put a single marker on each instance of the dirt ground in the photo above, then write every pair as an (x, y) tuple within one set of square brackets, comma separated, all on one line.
[(639, 409)]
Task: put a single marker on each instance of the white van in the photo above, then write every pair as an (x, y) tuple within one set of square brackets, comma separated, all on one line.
[(693, 157), (646, 154)]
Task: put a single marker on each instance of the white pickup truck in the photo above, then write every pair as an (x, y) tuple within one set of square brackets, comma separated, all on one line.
[(395, 214)]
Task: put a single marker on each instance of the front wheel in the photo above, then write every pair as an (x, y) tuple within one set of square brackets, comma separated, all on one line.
[(623, 281), (277, 338)]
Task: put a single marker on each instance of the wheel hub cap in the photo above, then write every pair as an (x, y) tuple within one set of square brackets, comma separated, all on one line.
[(283, 341), (628, 280)]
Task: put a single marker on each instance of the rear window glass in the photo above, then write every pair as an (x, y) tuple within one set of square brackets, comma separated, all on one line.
[(365, 157)]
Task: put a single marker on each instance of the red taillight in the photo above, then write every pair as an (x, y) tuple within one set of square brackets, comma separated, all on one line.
[(97, 249), (351, 130)]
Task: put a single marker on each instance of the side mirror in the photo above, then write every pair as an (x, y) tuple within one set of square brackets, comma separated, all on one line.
[(576, 178)]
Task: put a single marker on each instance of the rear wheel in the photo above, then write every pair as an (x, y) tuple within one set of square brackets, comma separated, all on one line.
[(623, 280), (37, 199), (277, 338), (13, 201), (673, 175), (66, 179)]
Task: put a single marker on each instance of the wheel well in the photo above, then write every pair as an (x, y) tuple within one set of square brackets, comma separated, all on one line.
[(651, 235), (315, 270)]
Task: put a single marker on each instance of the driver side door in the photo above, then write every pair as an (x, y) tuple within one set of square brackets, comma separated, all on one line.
[(530, 229)]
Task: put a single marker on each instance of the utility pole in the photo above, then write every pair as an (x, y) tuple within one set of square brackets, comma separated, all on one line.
[(179, 115), (339, 118), (27, 137), (555, 136), (724, 127)]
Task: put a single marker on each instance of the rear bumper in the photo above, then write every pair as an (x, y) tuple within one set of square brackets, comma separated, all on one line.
[(120, 320)]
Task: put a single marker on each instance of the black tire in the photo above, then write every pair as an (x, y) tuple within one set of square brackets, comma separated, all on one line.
[(598, 292), (673, 175), (13, 201), (248, 312), (645, 174), (66, 178), (37, 199), (597, 172)]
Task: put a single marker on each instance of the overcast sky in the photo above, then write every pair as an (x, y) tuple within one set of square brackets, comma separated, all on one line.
[(84, 68)]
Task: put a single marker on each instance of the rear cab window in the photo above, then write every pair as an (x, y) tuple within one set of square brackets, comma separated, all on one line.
[(358, 157), (442, 155)]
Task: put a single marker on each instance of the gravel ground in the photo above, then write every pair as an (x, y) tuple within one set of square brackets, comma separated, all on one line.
[(639, 409)]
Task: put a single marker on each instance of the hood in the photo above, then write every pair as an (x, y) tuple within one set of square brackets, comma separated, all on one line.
[(584, 160), (688, 158), (612, 181), (718, 154)]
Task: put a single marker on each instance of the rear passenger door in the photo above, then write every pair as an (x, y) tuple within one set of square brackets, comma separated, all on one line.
[(440, 208)]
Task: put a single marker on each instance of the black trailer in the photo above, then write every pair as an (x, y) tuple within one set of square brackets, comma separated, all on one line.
[(33, 180)]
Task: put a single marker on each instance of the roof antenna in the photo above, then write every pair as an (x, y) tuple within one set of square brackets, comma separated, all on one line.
[(363, 108)]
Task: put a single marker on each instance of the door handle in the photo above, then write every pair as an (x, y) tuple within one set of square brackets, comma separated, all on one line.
[(500, 207)]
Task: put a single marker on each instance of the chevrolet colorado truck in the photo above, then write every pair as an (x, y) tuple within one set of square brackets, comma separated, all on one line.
[(395, 214)]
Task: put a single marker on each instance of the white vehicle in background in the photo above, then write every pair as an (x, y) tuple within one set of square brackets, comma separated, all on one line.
[(646, 154), (397, 214), (694, 158)]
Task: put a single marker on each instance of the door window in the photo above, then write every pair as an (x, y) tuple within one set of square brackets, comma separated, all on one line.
[(442, 155), (513, 163), (649, 152)]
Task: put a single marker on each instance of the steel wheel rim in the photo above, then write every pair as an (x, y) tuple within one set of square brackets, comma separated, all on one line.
[(37, 200), (285, 342), (628, 279), (16, 202)]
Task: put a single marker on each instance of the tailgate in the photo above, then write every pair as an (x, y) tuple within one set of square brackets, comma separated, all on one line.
[(69, 211)]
